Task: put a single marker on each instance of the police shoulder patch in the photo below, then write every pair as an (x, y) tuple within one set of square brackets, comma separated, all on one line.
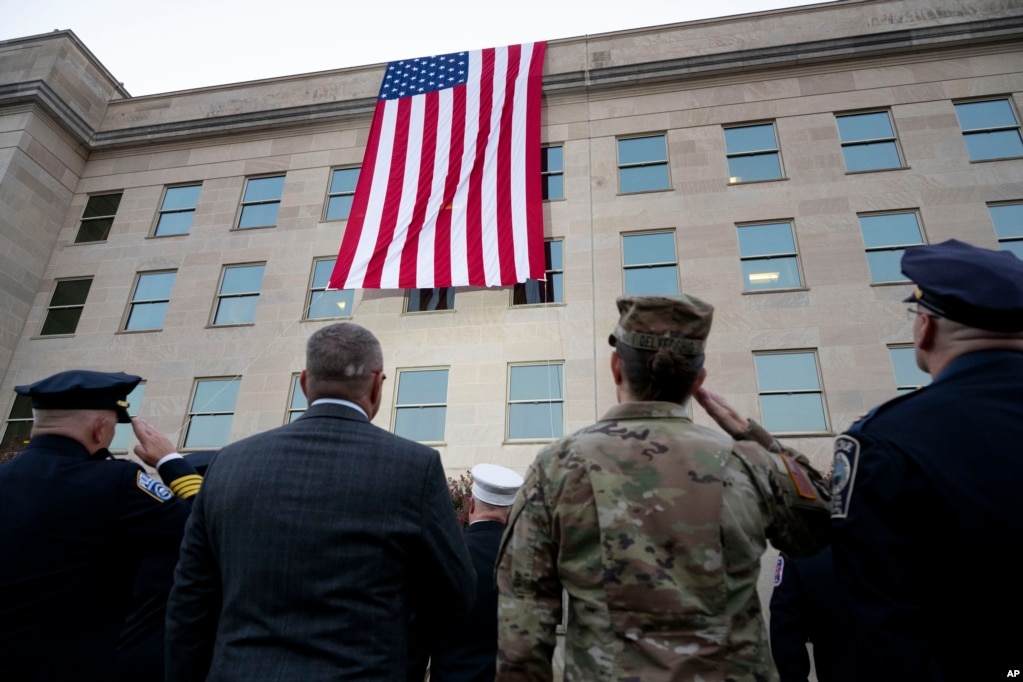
[(847, 456), (779, 570), (152, 487)]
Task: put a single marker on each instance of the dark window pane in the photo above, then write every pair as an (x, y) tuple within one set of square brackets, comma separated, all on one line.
[(998, 144), (344, 180), (61, 321), (639, 249), (643, 178), (427, 386), (552, 159), (659, 281), (102, 205), (146, 316), (766, 240), (893, 229), (991, 114), (886, 266), (797, 412), (329, 303), (642, 150), (770, 273), (181, 197), (174, 223), (535, 382), (753, 168), (422, 300), (875, 126), (750, 139), (787, 372), (243, 280), (71, 292), (1008, 220), (208, 431), (259, 215), (16, 436), (94, 230), (22, 407), (264, 189), (535, 420), (420, 423), (218, 395), (340, 207)]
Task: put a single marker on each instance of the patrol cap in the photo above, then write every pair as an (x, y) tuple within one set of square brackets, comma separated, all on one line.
[(495, 484), (82, 389), (977, 287), (651, 322)]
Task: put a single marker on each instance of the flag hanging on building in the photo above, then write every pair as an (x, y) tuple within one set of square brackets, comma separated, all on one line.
[(449, 190)]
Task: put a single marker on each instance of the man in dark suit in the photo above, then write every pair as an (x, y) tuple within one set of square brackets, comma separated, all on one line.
[(468, 653), (311, 544), (75, 525)]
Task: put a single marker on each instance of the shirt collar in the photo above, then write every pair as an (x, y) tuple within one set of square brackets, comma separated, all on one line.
[(339, 401)]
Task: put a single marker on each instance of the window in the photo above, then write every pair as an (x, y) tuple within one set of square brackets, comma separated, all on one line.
[(149, 301), (421, 406), (323, 303), (19, 426), (643, 164), (298, 402), (752, 153), (177, 210), (791, 398), (261, 201), (239, 294), (552, 290), (886, 237), (98, 217), (341, 192), (868, 141), (990, 129), (535, 401), (769, 258), (908, 377), (124, 432), (66, 305), (211, 413), (1008, 222), (649, 264), (552, 172), (425, 300)]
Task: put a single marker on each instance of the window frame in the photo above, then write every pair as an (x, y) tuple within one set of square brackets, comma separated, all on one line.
[(242, 204), (894, 140), (449, 301), (666, 162), (220, 296), (546, 173), (334, 195), (50, 307), (657, 264), (889, 247), (522, 289), (776, 151), (162, 211), (313, 290), (398, 407), (1013, 239), (794, 255), (509, 402), (111, 217), (981, 131), (132, 302), (902, 389), (819, 391), (192, 412)]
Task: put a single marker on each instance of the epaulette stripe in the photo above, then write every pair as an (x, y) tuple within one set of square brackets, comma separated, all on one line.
[(186, 486), (187, 493)]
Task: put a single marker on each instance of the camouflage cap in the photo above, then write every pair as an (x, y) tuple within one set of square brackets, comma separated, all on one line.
[(651, 322)]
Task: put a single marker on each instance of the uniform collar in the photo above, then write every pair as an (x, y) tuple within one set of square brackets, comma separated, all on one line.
[(645, 409), (970, 361), (60, 445)]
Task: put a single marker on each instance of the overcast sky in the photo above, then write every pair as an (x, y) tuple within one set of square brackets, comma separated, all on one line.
[(159, 46)]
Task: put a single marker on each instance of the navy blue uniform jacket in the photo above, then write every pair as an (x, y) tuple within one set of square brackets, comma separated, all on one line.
[(308, 548), (926, 526)]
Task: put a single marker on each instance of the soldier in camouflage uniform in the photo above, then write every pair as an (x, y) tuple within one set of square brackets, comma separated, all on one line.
[(653, 525)]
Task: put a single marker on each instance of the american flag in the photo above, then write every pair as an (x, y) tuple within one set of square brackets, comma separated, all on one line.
[(449, 191)]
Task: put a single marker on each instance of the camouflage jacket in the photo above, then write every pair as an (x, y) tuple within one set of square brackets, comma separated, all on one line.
[(654, 527)]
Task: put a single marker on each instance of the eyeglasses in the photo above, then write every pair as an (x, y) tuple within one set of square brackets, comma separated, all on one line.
[(383, 377)]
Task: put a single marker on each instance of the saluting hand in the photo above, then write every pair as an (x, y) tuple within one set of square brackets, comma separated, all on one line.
[(153, 445), (720, 411)]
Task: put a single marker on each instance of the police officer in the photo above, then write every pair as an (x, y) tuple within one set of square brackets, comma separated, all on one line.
[(926, 509), (653, 525), (73, 525)]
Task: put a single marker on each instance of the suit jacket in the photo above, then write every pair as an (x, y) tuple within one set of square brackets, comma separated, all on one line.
[(308, 549), (469, 653)]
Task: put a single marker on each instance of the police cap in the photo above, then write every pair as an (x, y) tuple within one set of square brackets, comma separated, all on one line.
[(977, 287), (681, 323), (495, 484), (82, 389)]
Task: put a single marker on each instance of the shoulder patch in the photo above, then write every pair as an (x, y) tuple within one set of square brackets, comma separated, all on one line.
[(804, 488), (847, 457), (152, 487), (779, 570)]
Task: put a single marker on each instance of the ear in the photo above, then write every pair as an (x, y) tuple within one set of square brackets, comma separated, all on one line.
[(472, 504), (616, 368), (376, 392), (98, 427), (928, 334), (301, 382)]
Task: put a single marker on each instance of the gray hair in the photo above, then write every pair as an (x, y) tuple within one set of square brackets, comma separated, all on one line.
[(342, 355)]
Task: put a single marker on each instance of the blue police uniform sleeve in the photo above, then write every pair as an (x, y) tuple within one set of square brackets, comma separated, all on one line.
[(872, 523), (149, 516), (789, 627)]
